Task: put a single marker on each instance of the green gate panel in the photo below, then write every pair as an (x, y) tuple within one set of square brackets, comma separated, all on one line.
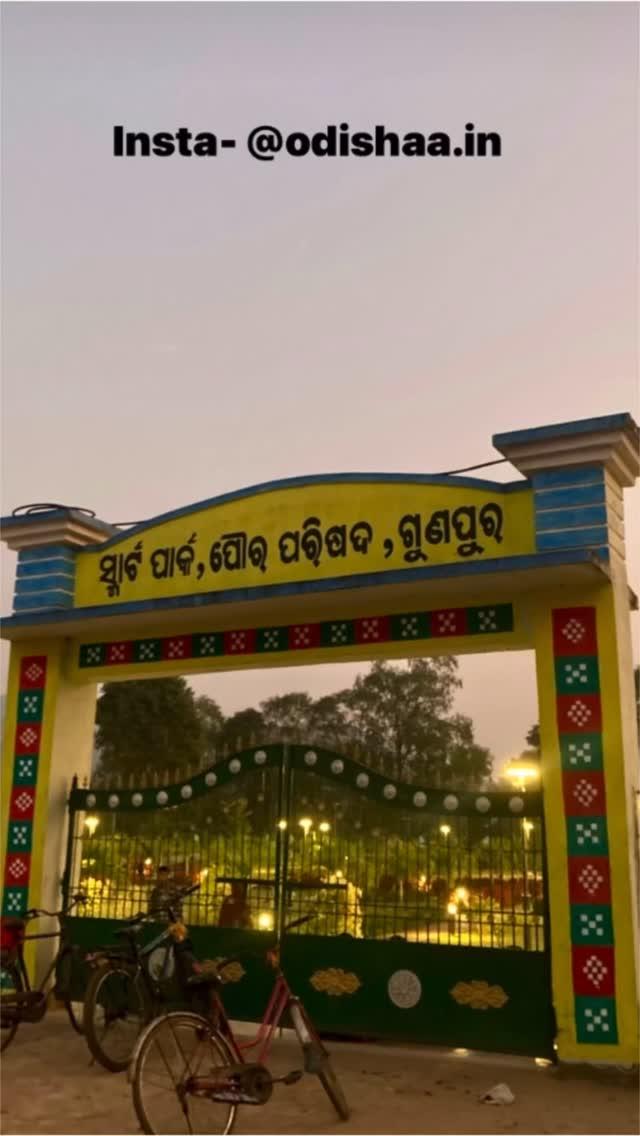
[(487, 999), (425, 911)]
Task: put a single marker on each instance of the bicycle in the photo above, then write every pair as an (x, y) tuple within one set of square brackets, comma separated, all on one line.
[(206, 1064), (126, 988), (19, 1001)]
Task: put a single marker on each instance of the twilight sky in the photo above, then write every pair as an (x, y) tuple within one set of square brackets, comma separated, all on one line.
[(175, 328)]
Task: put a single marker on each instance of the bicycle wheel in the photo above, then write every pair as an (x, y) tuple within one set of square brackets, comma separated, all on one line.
[(116, 1009), (333, 1088), (10, 983), (172, 1049), (317, 1059), (64, 977)]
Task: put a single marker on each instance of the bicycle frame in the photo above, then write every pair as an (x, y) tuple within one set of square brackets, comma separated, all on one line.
[(281, 1000), (17, 955)]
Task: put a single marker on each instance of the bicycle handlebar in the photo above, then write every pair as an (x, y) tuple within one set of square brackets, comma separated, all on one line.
[(36, 912), (288, 927)]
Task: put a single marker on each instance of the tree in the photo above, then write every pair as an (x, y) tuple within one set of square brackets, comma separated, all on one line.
[(533, 736), (212, 722), (467, 763), (401, 716), (153, 724), (241, 727), (287, 714)]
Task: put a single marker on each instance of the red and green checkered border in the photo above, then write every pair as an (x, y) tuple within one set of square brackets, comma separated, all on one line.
[(410, 626), (26, 756), (579, 720)]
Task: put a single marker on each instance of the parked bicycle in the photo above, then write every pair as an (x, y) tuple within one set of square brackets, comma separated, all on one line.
[(128, 984), (189, 1072), (20, 1002)]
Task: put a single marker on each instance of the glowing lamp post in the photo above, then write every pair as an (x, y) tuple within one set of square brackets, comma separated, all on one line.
[(91, 823), (521, 774)]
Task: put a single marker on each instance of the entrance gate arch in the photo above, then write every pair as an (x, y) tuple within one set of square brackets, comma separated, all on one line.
[(430, 918), (357, 567)]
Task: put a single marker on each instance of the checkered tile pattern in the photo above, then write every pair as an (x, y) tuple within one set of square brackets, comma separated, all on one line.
[(584, 752), (27, 740), (579, 718), (596, 1020), (585, 792), (338, 633)]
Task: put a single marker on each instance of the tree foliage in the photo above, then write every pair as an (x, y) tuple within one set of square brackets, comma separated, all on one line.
[(149, 724), (398, 716), (533, 736)]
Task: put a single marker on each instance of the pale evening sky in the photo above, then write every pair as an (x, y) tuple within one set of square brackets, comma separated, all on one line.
[(176, 328)]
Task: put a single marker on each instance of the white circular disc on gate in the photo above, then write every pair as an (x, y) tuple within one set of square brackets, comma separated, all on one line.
[(260, 757), (91, 800), (310, 757), (210, 779), (389, 792), (419, 799), (161, 964), (235, 766), (337, 766), (114, 801), (516, 804), (404, 989), (362, 780), (450, 803), (136, 800), (162, 797), (483, 804), (186, 792)]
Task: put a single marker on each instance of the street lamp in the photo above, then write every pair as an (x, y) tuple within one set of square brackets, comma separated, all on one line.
[(445, 829), (305, 824), (91, 823), (521, 773), (324, 827)]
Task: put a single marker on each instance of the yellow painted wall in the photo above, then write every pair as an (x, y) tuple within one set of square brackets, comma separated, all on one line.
[(188, 555)]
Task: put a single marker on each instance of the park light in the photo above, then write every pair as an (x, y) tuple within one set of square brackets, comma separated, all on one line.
[(521, 773), (461, 894), (452, 908), (305, 824), (202, 874), (265, 921), (325, 826), (527, 826), (445, 829), (148, 862), (91, 823), (282, 824)]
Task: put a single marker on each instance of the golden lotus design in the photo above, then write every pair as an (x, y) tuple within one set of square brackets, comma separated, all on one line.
[(335, 982), (232, 972), (479, 995)]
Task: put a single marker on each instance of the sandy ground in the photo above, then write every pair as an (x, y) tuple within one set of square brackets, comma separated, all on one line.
[(48, 1086)]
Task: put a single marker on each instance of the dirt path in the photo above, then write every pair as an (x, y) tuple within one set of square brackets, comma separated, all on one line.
[(48, 1086)]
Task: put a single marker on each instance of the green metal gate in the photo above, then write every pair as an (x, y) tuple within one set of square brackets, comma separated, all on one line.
[(430, 913)]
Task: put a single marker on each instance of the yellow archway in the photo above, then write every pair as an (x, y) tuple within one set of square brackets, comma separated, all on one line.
[(359, 567)]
